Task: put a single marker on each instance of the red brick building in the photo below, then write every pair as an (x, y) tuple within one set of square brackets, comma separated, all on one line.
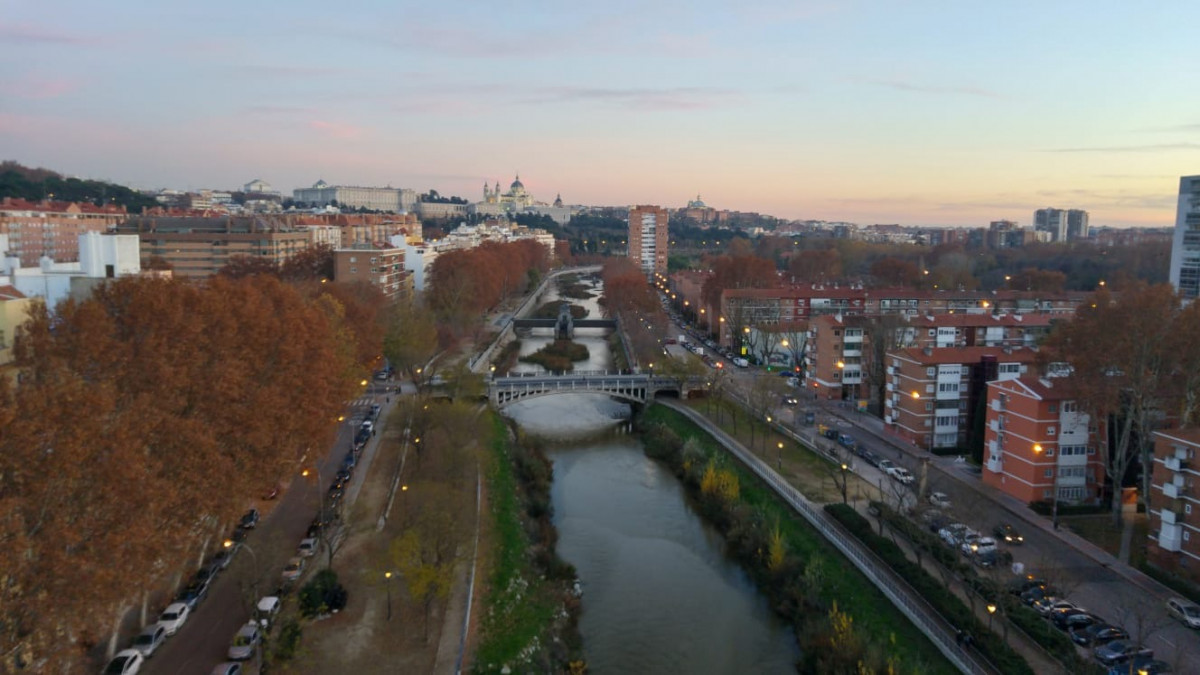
[(382, 267), (50, 228), (933, 394), (1038, 444), (1174, 502)]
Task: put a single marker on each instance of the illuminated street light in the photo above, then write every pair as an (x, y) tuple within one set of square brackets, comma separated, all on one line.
[(842, 364), (1037, 448), (916, 395)]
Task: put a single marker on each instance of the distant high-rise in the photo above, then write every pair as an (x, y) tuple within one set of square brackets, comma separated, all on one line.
[(1053, 221), (1077, 224), (1185, 249), (648, 238)]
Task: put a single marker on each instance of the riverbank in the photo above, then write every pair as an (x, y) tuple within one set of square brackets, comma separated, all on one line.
[(530, 609), (841, 620)]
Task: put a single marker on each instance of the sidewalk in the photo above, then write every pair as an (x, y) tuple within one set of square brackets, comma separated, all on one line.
[(1014, 507)]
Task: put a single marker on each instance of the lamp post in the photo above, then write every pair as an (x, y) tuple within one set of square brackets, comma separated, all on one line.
[(779, 456), (387, 583), (228, 544), (845, 468), (766, 431), (991, 608)]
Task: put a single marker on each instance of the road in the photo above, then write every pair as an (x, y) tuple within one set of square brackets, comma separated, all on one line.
[(1085, 574), (202, 642)]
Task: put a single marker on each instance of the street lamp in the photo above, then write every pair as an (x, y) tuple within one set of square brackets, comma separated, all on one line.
[(845, 468), (779, 457), (991, 608), (916, 395), (387, 583), (228, 544)]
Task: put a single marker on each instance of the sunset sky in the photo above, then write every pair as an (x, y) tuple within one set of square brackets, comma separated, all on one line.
[(915, 112)]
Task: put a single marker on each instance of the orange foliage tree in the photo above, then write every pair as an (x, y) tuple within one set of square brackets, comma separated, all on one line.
[(145, 419)]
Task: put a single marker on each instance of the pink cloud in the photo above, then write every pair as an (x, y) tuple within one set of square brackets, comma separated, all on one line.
[(36, 87), (336, 129)]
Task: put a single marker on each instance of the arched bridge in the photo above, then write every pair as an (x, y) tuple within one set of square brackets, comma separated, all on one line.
[(635, 387)]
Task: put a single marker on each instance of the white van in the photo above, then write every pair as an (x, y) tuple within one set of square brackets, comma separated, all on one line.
[(740, 362)]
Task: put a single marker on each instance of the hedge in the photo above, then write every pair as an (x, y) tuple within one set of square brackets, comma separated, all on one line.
[(941, 598), (1175, 583)]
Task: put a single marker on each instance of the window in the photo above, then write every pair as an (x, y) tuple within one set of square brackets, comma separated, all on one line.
[(353, 270), (1091, 451), (930, 371), (1187, 508), (1187, 535), (1047, 494), (1048, 473), (1051, 431), (1053, 407), (353, 258)]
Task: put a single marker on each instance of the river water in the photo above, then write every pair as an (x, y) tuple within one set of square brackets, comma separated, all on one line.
[(659, 594)]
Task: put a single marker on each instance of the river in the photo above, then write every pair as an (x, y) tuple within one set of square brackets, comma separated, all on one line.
[(659, 594)]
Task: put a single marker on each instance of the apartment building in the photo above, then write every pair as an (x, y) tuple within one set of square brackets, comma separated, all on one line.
[(1174, 502), (199, 247), (649, 238), (52, 228), (382, 267), (1185, 246), (932, 394), (975, 330), (1038, 443), (833, 358)]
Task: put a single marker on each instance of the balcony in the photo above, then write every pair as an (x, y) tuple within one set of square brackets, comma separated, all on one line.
[(1170, 537), (1175, 464), (995, 465), (1172, 491), (1168, 516)]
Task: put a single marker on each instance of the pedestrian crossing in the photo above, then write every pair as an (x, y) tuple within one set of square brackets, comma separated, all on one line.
[(362, 402)]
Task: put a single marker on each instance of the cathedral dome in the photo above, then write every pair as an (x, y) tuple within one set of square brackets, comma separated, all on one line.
[(517, 184)]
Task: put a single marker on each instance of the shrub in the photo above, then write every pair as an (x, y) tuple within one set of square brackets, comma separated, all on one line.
[(1046, 508), (288, 641), (1175, 583), (323, 594)]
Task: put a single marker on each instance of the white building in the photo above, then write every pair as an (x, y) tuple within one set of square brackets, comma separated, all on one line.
[(101, 257), (351, 196), (1185, 249), (328, 235)]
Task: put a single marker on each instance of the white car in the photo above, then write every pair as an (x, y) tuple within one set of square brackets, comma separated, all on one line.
[(126, 662), (245, 642), (967, 540), (982, 545), (294, 569), (903, 475), (939, 499), (174, 616), (227, 668), (1185, 611), (952, 533), (307, 548), (149, 640)]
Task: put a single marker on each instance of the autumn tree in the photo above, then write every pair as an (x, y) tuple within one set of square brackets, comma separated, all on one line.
[(1121, 354), (313, 263), (427, 551), (895, 272), (737, 271), (816, 265)]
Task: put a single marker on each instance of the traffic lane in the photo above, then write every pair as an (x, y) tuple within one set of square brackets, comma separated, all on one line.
[(204, 640)]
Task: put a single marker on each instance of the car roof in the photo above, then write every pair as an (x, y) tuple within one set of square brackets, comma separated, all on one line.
[(248, 629), (176, 607)]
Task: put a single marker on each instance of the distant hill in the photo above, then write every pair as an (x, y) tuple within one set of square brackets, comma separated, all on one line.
[(17, 180)]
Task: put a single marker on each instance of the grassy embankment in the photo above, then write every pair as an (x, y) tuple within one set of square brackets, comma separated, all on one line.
[(528, 587), (803, 576)]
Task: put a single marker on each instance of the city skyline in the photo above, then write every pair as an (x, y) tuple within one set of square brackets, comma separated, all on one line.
[(863, 112)]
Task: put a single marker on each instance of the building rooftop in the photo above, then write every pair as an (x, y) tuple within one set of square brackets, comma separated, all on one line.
[(1189, 436), (944, 355)]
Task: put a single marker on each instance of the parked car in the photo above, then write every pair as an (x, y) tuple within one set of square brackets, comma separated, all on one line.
[(902, 475), (307, 548), (314, 529), (294, 569), (982, 546), (935, 520), (967, 540), (192, 594), (1141, 665), (174, 616), (1008, 534), (1098, 634), (250, 520), (126, 662), (375, 410), (939, 499), (245, 641), (1067, 621), (993, 558), (368, 426), (1035, 594), (741, 363), (1185, 611), (870, 457), (952, 533), (1047, 605), (266, 610), (1025, 583), (1120, 651), (227, 668), (885, 465), (223, 557), (149, 640)]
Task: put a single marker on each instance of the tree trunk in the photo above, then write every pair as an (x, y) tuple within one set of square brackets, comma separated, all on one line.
[(116, 632)]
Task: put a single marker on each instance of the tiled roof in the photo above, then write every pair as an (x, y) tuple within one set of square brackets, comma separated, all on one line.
[(941, 355)]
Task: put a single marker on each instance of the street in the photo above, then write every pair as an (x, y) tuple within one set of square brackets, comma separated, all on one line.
[(202, 642)]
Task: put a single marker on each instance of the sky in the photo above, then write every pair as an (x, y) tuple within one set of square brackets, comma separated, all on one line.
[(915, 112)]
